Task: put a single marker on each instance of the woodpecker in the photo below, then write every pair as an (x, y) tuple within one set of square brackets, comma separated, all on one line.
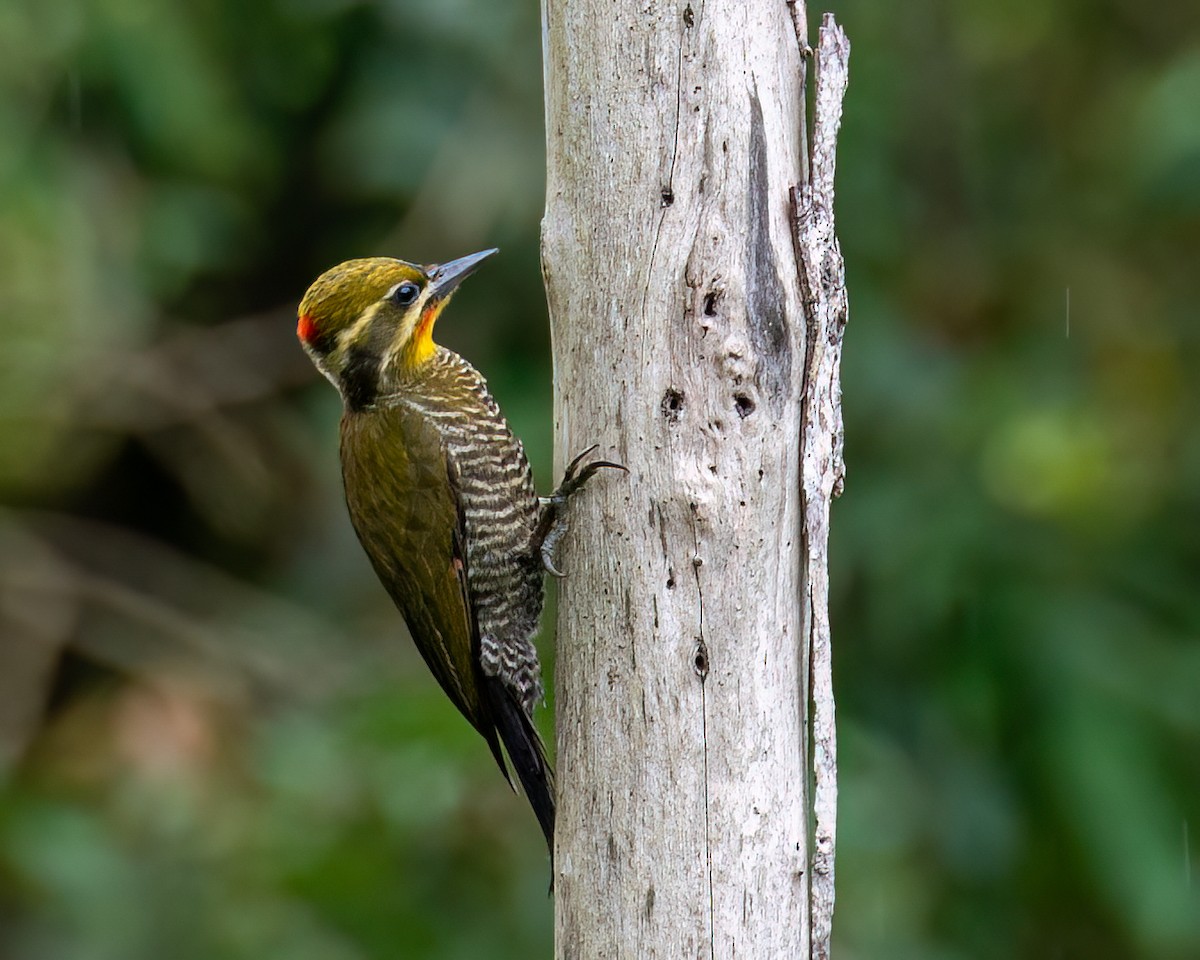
[(441, 496)]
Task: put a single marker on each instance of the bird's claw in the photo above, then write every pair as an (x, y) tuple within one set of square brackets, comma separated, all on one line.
[(572, 481), (553, 524), (548, 563)]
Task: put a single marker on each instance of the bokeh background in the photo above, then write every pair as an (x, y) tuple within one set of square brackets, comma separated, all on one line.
[(213, 743)]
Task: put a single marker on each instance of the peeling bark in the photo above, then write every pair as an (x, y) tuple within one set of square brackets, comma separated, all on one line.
[(823, 282)]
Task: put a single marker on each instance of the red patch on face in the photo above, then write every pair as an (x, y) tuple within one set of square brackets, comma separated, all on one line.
[(306, 328)]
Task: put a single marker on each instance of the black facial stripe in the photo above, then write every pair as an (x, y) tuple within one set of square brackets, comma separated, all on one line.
[(322, 344), (360, 378)]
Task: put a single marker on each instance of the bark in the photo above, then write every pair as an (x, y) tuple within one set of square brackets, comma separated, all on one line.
[(693, 282)]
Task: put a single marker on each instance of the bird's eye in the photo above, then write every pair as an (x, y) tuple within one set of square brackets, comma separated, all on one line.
[(406, 293)]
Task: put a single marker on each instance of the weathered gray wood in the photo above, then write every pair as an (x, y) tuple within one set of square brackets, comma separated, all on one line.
[(823, 282), (675, 137)]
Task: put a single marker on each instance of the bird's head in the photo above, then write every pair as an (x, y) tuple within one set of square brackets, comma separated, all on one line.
[(363, 317)]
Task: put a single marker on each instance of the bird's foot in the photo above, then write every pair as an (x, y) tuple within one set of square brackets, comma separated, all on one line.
[(553, 522)]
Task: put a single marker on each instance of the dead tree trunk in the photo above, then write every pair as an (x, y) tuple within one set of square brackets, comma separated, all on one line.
[(695, 294)]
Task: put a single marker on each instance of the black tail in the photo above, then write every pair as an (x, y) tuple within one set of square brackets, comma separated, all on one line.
[(526, 752)]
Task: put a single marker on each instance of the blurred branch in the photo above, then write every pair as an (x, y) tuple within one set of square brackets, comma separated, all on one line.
[(36, 627), (191, 399), (146, 610), (197, 372)]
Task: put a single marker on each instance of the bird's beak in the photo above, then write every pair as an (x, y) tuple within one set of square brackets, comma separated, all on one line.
[(447, 276)]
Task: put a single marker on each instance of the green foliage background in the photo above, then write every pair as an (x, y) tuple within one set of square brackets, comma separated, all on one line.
[(213, 742)]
